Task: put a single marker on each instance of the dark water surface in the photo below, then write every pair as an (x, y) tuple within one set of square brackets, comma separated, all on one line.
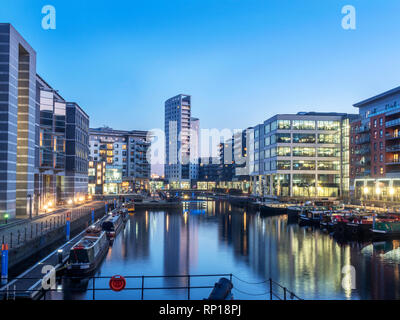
[(212, 237)]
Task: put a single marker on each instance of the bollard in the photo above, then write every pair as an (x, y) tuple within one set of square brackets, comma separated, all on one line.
[(106, 207), (68, 227), (115, 204), (4, 264), (92, 215)]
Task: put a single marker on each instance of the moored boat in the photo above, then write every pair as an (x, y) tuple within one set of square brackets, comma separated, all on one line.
[(386, 229), (112, 225), (87, 253)]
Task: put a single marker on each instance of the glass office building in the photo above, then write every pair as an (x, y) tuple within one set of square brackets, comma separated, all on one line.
[(302, 155)]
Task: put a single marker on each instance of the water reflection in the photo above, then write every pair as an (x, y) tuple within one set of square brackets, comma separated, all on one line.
[(213, 237)]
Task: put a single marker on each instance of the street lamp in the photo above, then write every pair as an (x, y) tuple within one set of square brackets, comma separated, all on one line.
[(29, 196)]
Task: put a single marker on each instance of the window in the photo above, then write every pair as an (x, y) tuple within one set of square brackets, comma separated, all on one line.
[(328, 138), (328, 152), (374, 123), (267, 141), (303, 165), (267, 128), (303, 125), (267, 153), (380, 122), (273, 126), (283, 138), (303, 138), (283, 164), (284, 124), (381, 170), (381, 133), (381, 157), (283, 151), (328, 125), (303, 152), (328, 165)]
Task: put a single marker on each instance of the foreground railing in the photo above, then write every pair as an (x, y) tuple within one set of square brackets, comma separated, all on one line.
[(275, 291)]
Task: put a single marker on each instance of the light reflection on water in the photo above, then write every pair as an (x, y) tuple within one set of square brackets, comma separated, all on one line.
[(213, 237)]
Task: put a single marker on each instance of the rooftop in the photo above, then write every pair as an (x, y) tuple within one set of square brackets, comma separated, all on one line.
[(377, 97)]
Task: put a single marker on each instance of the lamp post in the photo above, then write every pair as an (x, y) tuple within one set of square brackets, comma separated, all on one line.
[(29, 196)]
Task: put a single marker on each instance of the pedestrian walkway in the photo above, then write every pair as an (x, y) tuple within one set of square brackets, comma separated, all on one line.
[(16, 233)]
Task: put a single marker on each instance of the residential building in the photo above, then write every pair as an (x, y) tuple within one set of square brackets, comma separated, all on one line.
[(375, 148), (77, 151), (51, 144), (17, 109), (34, 134), (179, 169), (304, 155), (226, 169), (125, 154)]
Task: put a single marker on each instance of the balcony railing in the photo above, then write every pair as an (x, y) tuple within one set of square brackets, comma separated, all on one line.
[(391, 136), (393, 123), (363, 140), (393, 148)]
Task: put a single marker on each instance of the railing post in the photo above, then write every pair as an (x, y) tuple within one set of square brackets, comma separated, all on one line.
[(94, 288), (188, 286), (284, 293), (270, 288), (142, 286)]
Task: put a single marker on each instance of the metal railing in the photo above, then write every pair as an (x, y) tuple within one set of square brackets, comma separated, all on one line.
[(275, 291)]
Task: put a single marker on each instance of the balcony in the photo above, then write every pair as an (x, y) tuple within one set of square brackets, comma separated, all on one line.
[(363, 129), (363, 151), (393, 148), (392, 137), (362, 140), (393, 123), (393, 162)]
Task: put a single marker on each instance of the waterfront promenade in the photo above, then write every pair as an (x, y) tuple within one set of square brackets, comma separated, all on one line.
[(16, 233)]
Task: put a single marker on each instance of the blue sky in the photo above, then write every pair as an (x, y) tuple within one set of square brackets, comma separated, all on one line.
[(241, 60)]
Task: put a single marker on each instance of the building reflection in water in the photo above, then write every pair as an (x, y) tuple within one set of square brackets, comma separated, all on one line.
[(225, 239)]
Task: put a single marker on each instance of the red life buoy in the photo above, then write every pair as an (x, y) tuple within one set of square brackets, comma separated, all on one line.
[(117, 283)]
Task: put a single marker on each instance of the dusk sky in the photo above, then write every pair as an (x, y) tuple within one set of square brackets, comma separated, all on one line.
[(241, 60)]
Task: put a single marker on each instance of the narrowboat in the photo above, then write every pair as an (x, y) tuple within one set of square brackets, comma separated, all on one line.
[(272, 209), (359, 226), (311, 217), (112, 225), (87, 253), (386, 229)]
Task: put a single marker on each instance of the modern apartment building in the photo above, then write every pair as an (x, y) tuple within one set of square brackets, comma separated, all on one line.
[(51, 145), (375, 148), (125, 154), (17, 107), (33, 133), (77, 151), (180, 168), (304, 155)]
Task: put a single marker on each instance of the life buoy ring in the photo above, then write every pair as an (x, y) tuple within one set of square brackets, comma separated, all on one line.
[(117, 283)]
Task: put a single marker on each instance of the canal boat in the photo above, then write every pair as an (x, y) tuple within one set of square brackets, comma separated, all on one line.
[(112, 225), (272, 209), (386, 229), (359, 226), (87, 253), (311, 217)]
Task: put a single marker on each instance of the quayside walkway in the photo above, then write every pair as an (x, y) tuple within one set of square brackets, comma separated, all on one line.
[(29, 283), (17, 233)]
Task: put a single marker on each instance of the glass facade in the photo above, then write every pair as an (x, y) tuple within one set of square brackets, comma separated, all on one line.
[(303, 152), (303, 138), (303, 125)]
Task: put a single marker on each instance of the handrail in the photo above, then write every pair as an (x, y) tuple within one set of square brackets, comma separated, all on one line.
[(271, 292)]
